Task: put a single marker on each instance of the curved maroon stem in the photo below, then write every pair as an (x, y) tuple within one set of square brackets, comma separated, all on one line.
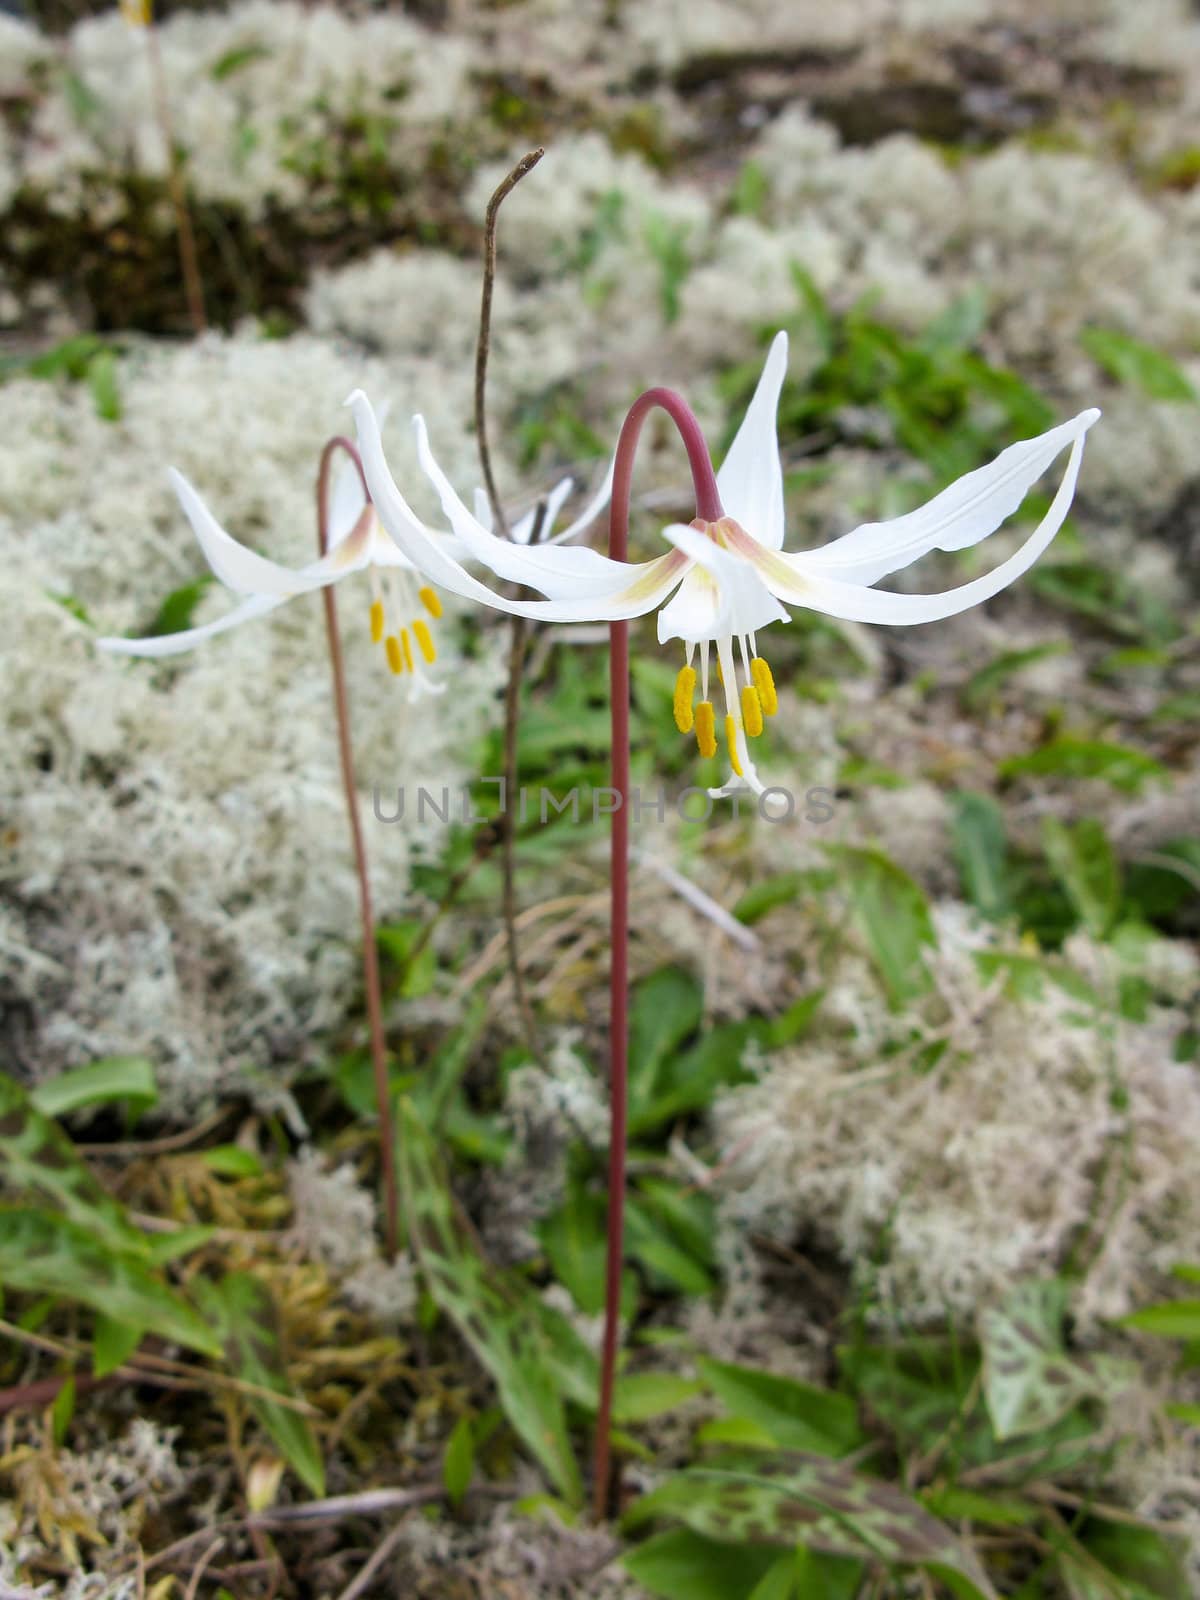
[(387, 1145), (708, 506)]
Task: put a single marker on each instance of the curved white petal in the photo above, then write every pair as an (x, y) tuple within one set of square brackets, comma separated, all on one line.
[(750, 481), (722, 594), (522, 530), (347, 501), (970, 509), (591, 510), (794, 580), (623, 591), (173, 644), (245, 572), (558, 573)]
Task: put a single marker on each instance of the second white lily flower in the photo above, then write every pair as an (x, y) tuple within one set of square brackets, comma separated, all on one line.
[(726, 579)]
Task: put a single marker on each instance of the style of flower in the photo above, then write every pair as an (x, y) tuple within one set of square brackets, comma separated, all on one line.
[(726, 577), (403, 607)]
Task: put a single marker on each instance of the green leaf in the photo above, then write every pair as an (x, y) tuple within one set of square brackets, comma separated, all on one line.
[(397, 941), (1130, 361), (113, 1342), (116, 1078), (981, 850), (640, 1396), (37, 1159), (234, 60), (983, 686), (820, 1503), (1147, 1564), (681, 1565), (102, 381), (70, 359), (231, 1161), (178, 609), (666, 1008), (244, 1314), (893, 918), (1116, 764), (458, 1462), (1173, 1319), (779, 1583), (573, 1238), (796, 1415), (533, 1356), (953, 1504), (651, 1245), (44, 1254), (164, 1247), (1084, 862), (1029, 1380), (62, 1410)]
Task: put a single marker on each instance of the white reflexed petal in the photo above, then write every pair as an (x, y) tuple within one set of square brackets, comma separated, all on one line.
[(623, 591), (750, 481), (727, 596), (970, 509), (245, 572), (560, 574), (591, 510), (522, 530), (347, 500), (792, 579), (483, 509), (173, 644)]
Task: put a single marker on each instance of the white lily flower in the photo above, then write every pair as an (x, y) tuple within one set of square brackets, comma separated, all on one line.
[(403, 607), (730, 574)]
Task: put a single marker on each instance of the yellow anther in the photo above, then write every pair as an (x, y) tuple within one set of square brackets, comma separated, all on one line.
[(424, 639), (685, 689), (706, 729), (394, 653), (376, 621), (431, 600), (407, 648), (765, 684), (731, 739), (752, 711)]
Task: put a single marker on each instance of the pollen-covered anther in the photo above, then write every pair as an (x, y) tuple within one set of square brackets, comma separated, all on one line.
[(424, 639), (765, 684), (395, 655), (731, 740), (431, 600), (706, 729), (376, 621), (406, 646), (685, 689), (752, 711)]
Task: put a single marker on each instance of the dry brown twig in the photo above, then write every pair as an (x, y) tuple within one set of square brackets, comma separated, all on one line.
[(518, 630)]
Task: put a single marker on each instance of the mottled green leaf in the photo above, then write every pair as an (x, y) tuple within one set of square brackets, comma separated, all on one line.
[(1029, 1380), (41, 1253), (819, 1503), (244, 1315)]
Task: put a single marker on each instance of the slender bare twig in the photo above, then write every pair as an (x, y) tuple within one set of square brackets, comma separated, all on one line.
[(188, 261), (214, 1550), (482, 349), (366, 1576), (518, 631), (387, 1138)]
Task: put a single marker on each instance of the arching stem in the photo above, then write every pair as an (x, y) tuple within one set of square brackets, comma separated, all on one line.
[(387, 1138), (708, 506)]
